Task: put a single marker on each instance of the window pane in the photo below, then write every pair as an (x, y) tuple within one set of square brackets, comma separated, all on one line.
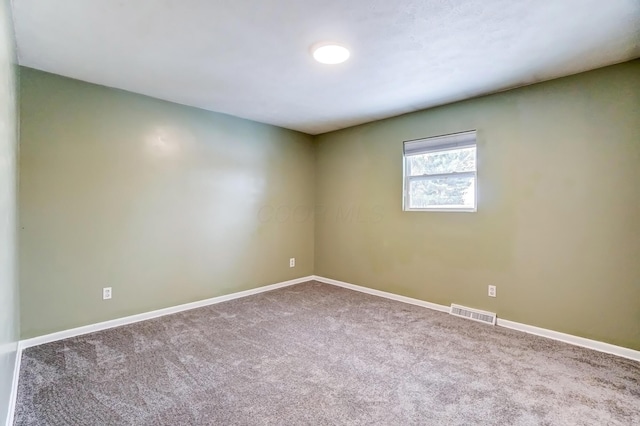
[(454, 160), (442, 192)]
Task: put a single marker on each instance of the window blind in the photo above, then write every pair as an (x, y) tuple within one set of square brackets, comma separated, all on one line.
[(438, 143)]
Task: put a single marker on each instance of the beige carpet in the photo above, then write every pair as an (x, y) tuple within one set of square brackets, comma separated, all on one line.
[(314, 354)]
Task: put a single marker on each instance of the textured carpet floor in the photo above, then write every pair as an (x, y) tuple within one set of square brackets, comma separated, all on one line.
[(317, 354)]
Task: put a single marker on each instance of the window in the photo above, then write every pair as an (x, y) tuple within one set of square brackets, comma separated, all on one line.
[(440, 173)]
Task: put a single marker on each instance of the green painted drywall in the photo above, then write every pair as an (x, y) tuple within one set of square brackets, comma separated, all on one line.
[(558, 222), (169, 204), (9, 305), (164, 203)]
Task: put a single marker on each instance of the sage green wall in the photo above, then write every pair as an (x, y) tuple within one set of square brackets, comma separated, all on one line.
[(166, 204), (9, 316), (558, 222)]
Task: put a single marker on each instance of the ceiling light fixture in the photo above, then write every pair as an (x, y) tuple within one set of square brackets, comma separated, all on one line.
[(330, 53)]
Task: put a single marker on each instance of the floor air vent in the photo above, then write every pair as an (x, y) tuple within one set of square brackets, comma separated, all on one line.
[(473, 314)]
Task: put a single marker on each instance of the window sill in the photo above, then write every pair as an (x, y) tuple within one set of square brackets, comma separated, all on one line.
[(445, 210)]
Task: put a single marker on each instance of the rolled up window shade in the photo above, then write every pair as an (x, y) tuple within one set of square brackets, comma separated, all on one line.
[(438, 143)]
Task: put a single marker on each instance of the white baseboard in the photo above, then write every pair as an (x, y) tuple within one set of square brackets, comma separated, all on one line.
[(555, 335), (384, 294), (65, 334), (572, 340), (13, 396)]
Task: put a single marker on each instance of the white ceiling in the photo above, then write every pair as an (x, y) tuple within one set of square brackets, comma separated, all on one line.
[(250, 58)]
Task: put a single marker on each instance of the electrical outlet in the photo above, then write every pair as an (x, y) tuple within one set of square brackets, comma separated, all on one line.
[(292, 262), (106, 293), (492, 291)]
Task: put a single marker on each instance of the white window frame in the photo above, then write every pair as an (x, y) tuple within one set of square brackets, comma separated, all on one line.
[(442, 143)]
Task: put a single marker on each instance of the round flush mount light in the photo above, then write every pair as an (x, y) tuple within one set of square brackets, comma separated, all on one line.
[(330, 53)]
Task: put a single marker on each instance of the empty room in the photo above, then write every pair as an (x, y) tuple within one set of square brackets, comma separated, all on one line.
[(305, 212)]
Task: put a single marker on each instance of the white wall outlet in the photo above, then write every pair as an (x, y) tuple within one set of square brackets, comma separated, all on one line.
[(106, 293), (292, 262), (492, 291)]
